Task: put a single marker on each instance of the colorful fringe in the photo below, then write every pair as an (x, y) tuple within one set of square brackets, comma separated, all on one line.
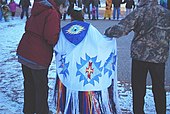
[(85, 102)]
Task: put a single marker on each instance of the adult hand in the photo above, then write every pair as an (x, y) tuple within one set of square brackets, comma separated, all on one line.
[(107, 32)]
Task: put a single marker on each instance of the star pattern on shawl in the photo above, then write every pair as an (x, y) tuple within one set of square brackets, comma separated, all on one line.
[(110, 64), (82, 68), (64, 66)]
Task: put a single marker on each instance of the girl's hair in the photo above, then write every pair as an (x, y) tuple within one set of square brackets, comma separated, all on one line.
[(77, 14)]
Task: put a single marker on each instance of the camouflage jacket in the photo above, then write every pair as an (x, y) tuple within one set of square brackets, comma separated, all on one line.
[(151, 26)]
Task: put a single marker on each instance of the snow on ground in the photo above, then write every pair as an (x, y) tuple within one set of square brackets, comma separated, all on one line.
[(11, 80)]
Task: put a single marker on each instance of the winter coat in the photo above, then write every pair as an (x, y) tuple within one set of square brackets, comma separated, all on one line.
[(129, 4), (117, 3), (41, 33), (5, 11), (13, 6), (151, 25), (87, 2), (25, 3), (71, 6), (95, 3)]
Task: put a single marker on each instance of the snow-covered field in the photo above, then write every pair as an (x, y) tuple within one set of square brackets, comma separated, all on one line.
[(11, 80)]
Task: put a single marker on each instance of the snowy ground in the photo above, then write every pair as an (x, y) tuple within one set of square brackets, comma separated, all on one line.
[(11, 80)]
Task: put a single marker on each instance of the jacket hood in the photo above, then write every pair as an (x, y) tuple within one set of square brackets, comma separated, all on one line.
[(42, 5)]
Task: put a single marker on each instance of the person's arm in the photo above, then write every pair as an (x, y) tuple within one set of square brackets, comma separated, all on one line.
[(52, 28), (125, 26)]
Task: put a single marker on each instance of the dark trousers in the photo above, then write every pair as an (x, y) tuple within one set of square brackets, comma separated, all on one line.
[(12, 14), (35, 90), (87, 10), (24, 10), (139, 75), (64, 16)]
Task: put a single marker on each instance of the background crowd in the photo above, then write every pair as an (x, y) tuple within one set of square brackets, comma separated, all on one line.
[(8, 9), (112, 9), (89, 8)]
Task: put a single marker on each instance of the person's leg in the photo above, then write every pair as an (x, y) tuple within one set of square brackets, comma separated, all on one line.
[(41, 90), (1, 15), (88, 11), (80, 3), (139, 74), (26, 11), (29, 91), (22, 13), (12, 14), (114, 13), (118, 13), (64, 16), (128, 11), (157, 72), (97, 12), (5, 18)]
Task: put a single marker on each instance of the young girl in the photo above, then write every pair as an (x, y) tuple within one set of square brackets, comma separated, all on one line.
[(86, 81), (93, 12), (108, 10), (6, 12), (13, 5)]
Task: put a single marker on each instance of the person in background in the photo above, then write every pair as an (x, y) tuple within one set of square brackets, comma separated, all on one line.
[(25, 7), (129, 5), (6, 12), (87, 4), (150, 23), (82, 87), (71, 6), (1, 14), (79, 3), (66, 4), (163, 3), (35, 52), (93, 12), (12, 6), (96, 3), (3, 2), (108, 9), (168, 4), (116, 8)]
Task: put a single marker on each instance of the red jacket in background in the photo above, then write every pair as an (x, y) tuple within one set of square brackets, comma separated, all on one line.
[(41, 33)]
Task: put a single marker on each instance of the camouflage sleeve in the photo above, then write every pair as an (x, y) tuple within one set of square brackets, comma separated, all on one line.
[(125, 26)]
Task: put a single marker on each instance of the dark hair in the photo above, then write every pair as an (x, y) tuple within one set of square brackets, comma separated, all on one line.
[(77, 15)]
